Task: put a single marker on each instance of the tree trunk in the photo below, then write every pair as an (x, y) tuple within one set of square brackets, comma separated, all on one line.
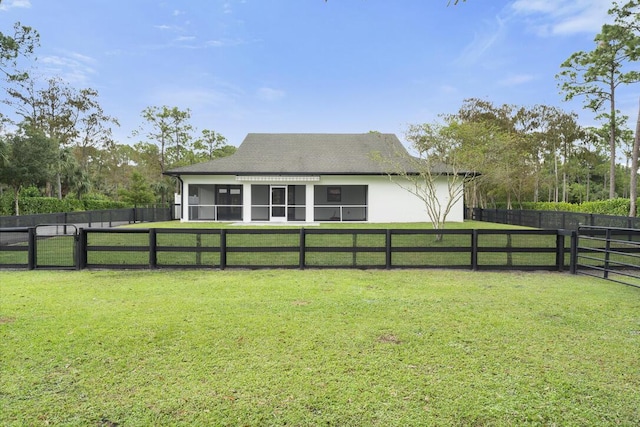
[(555, 173), (633, 184), (59, 185), (612, 145), (16, 198)]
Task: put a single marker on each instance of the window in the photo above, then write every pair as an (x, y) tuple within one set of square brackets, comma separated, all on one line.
[(340, 203), (334, 194), (215, 202)]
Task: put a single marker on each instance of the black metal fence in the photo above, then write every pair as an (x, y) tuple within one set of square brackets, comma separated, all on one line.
[(553, 220), (89, 219), (288, 248), (609, 253)]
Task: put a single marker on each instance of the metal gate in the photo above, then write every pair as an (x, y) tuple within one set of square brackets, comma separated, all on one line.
[(56, 246), (609, 253)]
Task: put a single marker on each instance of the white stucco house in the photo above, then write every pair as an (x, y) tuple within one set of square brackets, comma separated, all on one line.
[(303, 178)]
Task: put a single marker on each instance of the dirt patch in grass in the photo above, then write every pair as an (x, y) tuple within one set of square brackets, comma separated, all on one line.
[(389, 339), (5, 320)]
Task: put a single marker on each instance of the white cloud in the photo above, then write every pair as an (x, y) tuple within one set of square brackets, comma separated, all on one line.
[(563, 17), (270, 94), (517, 79), (73, 68), (483, 42), (224, 42), (220, 94), (11, 4), (448, 89)]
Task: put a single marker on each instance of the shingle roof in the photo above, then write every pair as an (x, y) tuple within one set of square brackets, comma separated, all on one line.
[(303, 153)]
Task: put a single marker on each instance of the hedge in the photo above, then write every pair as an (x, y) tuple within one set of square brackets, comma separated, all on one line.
[(618, 207), (41, 205)]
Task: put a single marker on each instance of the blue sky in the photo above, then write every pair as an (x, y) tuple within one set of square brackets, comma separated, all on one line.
[(308, 65)]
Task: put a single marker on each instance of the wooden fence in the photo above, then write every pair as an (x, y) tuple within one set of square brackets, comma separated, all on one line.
[(65, 247)]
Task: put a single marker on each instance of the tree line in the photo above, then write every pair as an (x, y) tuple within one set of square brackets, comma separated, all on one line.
[(510, 154), (59, 139), (517, 153)]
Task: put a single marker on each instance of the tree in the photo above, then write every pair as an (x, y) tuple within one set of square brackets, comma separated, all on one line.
[(139, 192), (31, 155), (633, 186), (437, 161), (21, 43), (64, 114), (94, 132), (211, 145), (597, 75), (628, 16), (166, 126)]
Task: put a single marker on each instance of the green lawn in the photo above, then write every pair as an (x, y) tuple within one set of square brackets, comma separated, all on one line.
[(331, 347), (351, 225)]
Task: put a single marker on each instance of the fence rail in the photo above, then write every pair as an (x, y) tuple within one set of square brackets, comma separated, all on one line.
[(291, 248), (609, 253), (552, 219), (88, 219)]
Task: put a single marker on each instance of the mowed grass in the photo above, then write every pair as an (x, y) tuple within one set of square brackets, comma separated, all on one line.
[(331, 347)]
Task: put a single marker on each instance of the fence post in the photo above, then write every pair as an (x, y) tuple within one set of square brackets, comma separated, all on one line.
[(223, 249), (574, 252), (607, 253), (354, 246), (31, 254), (560, 250), (474, 250), (198, 249), (388, 249), (153, 253), (303, 247), (82, 249)]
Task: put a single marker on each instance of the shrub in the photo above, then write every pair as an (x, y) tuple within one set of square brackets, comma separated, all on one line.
[(6, 203), (617, 207), (96, 205), (38, 205)]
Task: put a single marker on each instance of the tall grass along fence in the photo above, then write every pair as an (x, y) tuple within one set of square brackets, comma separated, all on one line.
[(57, 246), (553, 220), (88, 219)]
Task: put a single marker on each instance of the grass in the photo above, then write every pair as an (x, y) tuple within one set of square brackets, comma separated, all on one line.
[(329, 347), (467, 224)]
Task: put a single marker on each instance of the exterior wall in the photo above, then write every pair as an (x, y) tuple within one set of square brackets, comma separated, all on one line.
[(387, 202)]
